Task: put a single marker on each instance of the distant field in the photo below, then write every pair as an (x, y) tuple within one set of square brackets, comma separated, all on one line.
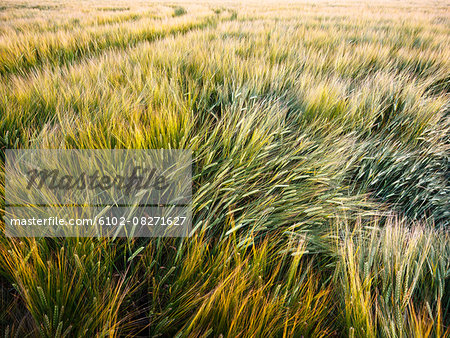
[(320, 134)]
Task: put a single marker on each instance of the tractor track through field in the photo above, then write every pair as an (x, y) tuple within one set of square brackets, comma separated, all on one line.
[(62, 56)]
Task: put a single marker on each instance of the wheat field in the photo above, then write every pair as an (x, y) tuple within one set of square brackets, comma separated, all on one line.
[(320, 140)]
